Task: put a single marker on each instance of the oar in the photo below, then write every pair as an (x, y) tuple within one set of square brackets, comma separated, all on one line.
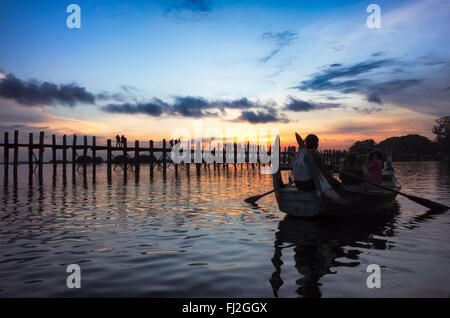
[(255, 198), (300, 142), (422, 201)]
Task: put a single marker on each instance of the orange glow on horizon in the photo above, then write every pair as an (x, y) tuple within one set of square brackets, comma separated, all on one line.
[(335, 130)]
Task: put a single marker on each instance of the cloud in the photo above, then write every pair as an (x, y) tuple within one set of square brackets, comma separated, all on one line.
[(431, 60), (108, 96), (37, 119), (128, 88), (298, 105), (389, 87), (374, 98), (266, 58), (190, 106), (190, 5), (376, 54), (280, 40), (193, 107), (324, 80), (188, 10), (243, 103), (366, 110), (261, 117), (369, 78), (31, 92), (155, 108)]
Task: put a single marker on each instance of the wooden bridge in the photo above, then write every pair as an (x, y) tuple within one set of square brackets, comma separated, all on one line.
[(157, 157)]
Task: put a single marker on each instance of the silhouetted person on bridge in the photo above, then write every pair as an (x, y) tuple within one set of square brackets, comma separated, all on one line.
[(123, 140), (117, 141)]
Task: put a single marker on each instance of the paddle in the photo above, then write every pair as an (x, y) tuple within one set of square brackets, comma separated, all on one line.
[(300, 141), (255, 198), (422, 201)]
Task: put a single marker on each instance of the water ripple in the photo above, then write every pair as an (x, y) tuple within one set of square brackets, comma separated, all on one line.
[(195, 236)]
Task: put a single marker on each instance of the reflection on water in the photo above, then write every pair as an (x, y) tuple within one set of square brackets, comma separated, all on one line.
[(193, 235), (319, 244)]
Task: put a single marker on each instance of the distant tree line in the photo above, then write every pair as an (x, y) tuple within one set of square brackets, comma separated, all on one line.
[(411, 144), (442, 132)]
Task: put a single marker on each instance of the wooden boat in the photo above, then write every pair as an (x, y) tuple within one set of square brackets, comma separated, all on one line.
[(331, 197)]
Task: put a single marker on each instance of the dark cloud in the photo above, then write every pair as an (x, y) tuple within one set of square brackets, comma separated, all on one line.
[(298, 105), (355, 79), (243, 103), (35, 93), (193, 107), (155, 108), (188, 106), (261, 117), (380, 82), (190, 5), (324, 80), (374, 98), (280, 40), (108, 96), (376, 54), (335, 65), (199, 107)]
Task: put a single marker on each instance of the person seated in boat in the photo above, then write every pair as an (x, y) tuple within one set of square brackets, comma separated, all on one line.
[(380, 157), (375, 167), (302, 177), (312, 144), (352, 165)]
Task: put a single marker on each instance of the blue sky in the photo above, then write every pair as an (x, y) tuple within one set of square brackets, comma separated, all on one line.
[(313, 64)]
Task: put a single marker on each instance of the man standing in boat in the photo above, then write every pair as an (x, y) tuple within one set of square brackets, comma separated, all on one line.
[(302, 177)]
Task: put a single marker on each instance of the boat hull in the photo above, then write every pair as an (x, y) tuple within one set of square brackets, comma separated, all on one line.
[(357, 200)]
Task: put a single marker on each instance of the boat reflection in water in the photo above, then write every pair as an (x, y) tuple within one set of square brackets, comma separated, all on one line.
[(317, 244)]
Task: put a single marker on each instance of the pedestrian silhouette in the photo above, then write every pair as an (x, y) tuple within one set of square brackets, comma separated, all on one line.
[(123, 140), (117, 141)]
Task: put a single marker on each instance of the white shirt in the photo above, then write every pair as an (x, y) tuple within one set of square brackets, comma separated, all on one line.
[(300, 169)]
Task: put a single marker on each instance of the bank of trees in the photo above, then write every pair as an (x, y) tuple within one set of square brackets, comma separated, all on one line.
[(411, 144), (442, 132)]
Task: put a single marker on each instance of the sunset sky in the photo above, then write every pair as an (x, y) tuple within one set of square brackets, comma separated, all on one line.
[(144, 69)]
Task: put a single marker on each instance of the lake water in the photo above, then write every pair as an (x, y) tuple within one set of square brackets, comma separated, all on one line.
[(195, 236)]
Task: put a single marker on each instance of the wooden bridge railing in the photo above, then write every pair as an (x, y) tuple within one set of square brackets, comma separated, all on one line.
[(162, 162)]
